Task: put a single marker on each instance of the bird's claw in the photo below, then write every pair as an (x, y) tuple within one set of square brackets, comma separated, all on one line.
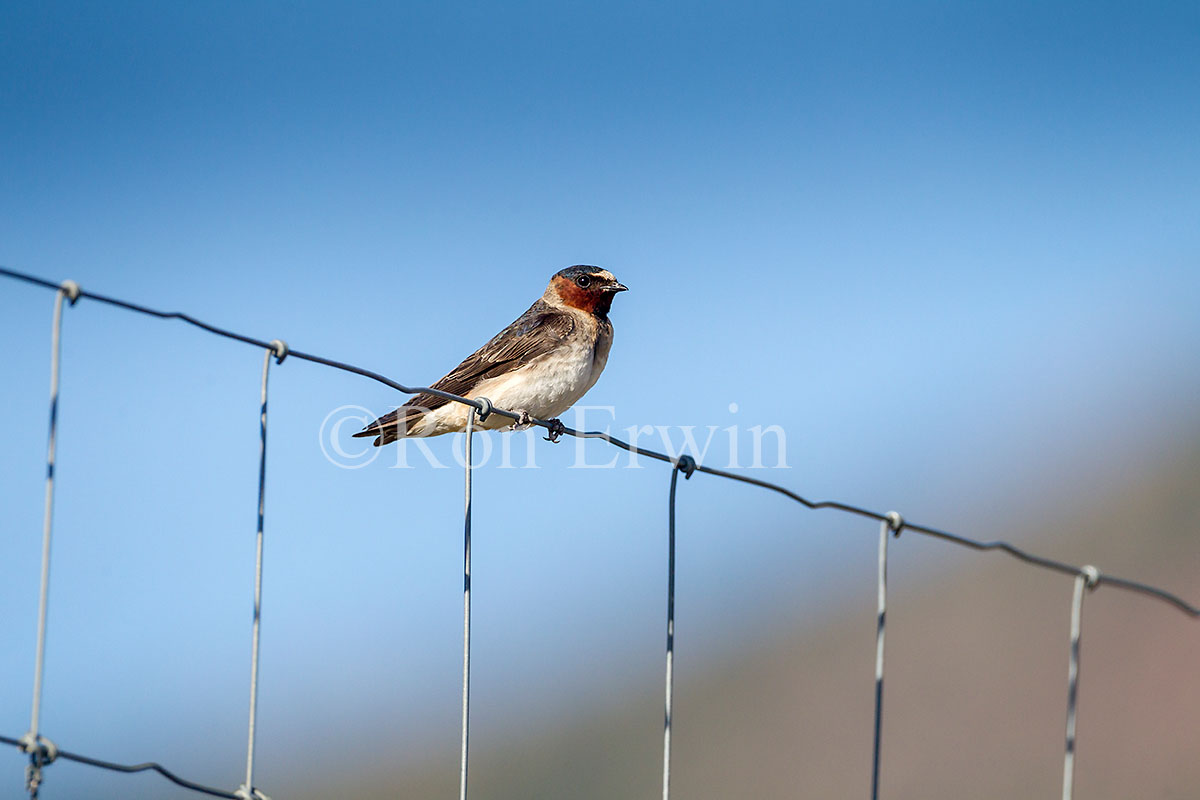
[(555, 430), (523, 421)]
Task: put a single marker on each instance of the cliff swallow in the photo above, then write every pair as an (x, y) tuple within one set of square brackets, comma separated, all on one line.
[(538, 366)]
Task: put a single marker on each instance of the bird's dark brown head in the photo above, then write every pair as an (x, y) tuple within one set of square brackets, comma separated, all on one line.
[(589, 289)]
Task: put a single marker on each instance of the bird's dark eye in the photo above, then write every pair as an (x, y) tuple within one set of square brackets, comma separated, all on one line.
[(583, 281)]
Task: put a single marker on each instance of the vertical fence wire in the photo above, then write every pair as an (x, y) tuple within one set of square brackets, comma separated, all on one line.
[(48, 516), (466, 678), (33, 742), (1087, 579), (892, 524), (686, 465), (279, 351), (666, 783)]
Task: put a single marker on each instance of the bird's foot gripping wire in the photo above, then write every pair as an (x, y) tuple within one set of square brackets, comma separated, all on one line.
[(523, 420), (555, 430)]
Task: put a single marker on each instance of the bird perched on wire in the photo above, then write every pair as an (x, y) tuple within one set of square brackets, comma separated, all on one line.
[(538, 366)]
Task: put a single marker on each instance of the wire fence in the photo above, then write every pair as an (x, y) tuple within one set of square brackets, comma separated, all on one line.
[(42, 751)]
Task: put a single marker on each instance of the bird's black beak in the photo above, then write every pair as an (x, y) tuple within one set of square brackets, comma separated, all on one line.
[(616, 287)]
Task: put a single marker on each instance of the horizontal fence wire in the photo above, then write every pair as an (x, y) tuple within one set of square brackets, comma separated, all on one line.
[(1006, 547), (146, 767), (892, 522)]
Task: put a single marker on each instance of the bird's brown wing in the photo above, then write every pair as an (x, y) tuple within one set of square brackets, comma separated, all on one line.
[(536, 332)]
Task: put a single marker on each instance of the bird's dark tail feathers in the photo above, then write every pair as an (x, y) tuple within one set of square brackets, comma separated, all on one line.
[(387, 428)]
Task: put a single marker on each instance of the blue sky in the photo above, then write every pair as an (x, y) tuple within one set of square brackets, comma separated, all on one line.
[(953, 250)]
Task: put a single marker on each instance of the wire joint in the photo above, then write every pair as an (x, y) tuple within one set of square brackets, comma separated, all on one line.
[(484, 409), (687, 465), (280, 348), (41, 752), (71, 290)]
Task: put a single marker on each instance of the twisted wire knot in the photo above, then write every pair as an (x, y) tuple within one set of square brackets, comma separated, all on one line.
[(1090, 575), (485, 408), (686, 465), (280, 349), (71, 290), (39, 747), (41, 752), (895, 522)]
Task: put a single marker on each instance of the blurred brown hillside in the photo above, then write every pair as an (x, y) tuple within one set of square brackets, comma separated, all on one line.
[(975, 686)]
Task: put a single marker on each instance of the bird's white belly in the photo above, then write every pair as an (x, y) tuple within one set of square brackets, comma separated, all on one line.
[(545, 389)]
